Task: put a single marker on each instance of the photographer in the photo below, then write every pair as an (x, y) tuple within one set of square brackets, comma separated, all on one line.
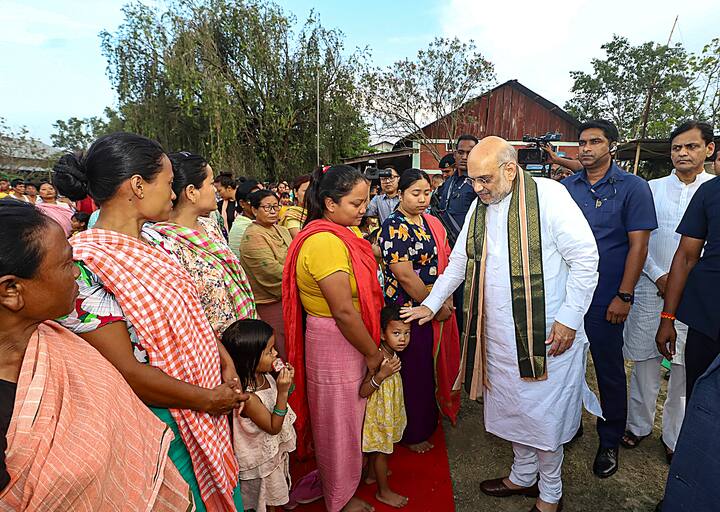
[(384, 204), (568, 163)]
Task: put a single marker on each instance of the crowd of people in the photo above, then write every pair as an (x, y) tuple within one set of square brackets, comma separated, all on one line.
[(242, 326)]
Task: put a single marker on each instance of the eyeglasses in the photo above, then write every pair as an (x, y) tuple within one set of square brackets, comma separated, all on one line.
[(271, 207), (482, 181), (388, 179)]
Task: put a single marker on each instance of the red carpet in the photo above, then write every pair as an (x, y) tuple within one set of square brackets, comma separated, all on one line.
[(423, 478)]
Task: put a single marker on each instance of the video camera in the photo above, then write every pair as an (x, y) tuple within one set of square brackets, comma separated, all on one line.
[(537, 153), (372, 172)]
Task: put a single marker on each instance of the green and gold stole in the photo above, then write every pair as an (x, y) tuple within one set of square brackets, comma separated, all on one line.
[(526, 282)]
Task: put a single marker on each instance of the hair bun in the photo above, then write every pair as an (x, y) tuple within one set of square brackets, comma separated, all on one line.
[(69, 177)]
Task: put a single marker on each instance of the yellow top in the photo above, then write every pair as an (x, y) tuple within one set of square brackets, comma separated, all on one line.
[(321, 255)]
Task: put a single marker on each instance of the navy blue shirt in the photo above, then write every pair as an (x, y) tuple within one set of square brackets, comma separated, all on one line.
[(614, 206), (699, 305), (454, 200)]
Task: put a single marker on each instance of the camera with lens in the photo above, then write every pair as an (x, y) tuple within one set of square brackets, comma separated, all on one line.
[(536, 153), (372, 172)]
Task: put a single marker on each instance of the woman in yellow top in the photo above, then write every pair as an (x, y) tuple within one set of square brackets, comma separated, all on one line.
[(294, 216), (325, 263), (263, 249)]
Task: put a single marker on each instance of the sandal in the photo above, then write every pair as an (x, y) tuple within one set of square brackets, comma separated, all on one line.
[(630, 440)]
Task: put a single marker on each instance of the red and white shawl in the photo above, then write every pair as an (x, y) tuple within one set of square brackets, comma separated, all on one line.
[(159, 298)]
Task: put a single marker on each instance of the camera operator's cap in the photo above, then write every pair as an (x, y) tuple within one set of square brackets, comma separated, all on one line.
[(447, 161)]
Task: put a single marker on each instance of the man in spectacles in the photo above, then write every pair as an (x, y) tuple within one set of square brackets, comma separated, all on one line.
[(382, 205), (620, 210), (530, 259)]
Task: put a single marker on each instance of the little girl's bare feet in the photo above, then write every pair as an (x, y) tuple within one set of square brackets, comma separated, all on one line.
[(357, 505), (391, 498), (423, 447)]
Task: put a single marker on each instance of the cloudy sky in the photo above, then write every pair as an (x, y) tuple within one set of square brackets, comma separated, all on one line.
[(52, 68)]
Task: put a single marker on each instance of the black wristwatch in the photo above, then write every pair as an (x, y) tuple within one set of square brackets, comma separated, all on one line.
[(626, 297)]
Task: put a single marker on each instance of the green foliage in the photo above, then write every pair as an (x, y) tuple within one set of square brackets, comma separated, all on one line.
[(233, 81), (405, 97), (705, 67), (76, 134), (618, 86)]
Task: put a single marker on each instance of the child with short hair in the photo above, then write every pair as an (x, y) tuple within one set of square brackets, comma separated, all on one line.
[(385, 418), (263, 435), (79, 222)]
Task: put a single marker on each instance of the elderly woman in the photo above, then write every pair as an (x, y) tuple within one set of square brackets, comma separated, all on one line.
[(200, 246), (73, 435), (331, 274), (263, 249), (295, 216), (415, 252), (141, 310)]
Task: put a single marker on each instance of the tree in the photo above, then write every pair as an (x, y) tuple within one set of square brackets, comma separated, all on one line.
[(618, 86), (234, 82), (404, 98), (19, 150), (705, 67), (77, 134)]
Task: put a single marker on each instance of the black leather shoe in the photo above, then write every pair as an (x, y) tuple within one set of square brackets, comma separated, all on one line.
[(559, 507), (606, 462), (497, 488)]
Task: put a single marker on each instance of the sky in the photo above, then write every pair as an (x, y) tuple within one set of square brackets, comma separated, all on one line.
[(52, 66)]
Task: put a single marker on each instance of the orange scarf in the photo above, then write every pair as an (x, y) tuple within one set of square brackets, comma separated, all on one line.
[(160, 299), (371, 301), (446, 338), (79, 439)]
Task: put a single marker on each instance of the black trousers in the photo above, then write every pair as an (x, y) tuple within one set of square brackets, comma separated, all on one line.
[(606, 343), (700, 352)]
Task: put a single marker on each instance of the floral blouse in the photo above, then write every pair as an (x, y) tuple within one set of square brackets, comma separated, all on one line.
[(401, 240), (96, 306)]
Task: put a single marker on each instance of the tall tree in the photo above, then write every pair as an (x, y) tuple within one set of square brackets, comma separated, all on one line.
[(618, 86), (404, 98), (705, 68), (76, 134), (235, 82)]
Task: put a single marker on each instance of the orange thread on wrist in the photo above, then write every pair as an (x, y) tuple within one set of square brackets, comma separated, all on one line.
[(667, 316)]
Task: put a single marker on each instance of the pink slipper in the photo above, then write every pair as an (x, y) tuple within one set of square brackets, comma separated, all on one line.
[(306, 490)]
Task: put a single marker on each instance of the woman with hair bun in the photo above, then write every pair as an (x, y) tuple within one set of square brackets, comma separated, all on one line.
[(200, 246), (326, 262), (141, 310), (73, 435)]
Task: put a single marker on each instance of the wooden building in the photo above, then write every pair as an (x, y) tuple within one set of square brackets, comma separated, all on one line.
[(510, 111)]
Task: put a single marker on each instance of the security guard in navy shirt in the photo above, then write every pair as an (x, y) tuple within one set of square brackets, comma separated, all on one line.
[(620, 210)]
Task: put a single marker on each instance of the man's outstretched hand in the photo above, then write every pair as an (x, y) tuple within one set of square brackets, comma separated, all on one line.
[(422, 314)]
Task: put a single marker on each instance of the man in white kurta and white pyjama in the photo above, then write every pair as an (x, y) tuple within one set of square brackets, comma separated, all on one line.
[(533, 392), (671, 196)]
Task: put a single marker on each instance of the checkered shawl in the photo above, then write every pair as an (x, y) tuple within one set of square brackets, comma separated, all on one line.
[(218, 254), (160, 299)]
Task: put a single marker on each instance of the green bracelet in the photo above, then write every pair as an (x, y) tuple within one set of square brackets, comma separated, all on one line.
[(280, 412)]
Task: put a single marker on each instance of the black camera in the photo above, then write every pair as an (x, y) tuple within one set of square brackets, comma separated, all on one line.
[(372, 172), (536, 154)]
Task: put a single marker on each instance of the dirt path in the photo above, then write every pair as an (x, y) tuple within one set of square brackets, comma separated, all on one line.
[(476, 455)]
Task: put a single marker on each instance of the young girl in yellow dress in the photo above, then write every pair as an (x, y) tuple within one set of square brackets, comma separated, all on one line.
[(385, 418)]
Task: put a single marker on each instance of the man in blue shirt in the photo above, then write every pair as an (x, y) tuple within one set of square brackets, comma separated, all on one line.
[(453, 199), (620, 210), (451, 202)]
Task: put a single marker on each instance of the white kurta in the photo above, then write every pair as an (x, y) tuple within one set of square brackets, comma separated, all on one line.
[(542, 414), (671, 197)]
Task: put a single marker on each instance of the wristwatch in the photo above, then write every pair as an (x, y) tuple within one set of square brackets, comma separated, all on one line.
[(626, 297)]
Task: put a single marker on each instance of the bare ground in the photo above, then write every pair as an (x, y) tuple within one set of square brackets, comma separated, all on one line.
[(476, 455)]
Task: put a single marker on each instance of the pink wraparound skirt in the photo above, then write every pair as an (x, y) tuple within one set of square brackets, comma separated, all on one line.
[(335, 371)]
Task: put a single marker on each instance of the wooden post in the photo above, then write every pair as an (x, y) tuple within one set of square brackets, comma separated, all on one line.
[(637, 157)]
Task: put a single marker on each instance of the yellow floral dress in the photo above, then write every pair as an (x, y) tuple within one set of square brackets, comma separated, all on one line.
[(385, 418)]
